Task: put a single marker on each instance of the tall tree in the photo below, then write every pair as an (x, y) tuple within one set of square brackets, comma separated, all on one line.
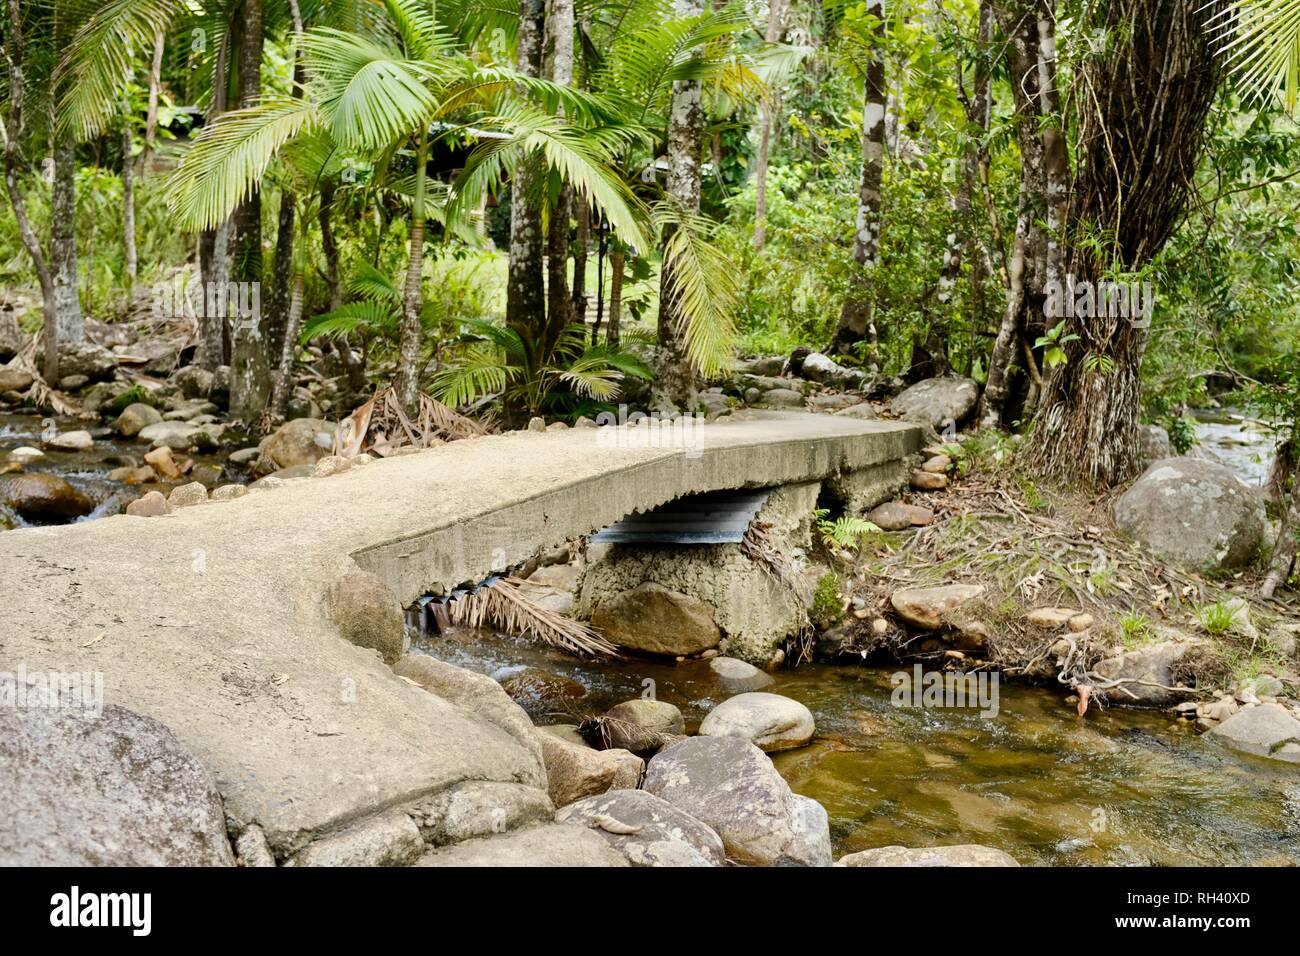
[(1141, 124), (857, 322), (559, 26), (674, 386), (769, 113), (63, 207)]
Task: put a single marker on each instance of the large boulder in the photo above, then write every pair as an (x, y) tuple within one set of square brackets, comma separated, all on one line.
[(927, 607), (86, 358), (15, 380), (647, 830), (194, 381), (368, 613), (731, 786), (769, 721), (820, 368), (1144, 674), (178, 436), (12, 339), (937, 402), (655, 620), (575, 770), (657, 716), (303, 441), (970, 854), (46, 498), (1266, 730), (101, 789), (1193, 512)]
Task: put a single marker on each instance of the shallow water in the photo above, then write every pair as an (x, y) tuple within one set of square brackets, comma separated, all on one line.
[(1236, 441), (1119, 787), (86, 471)]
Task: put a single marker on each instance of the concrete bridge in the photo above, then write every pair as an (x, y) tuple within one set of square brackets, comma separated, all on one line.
[(216, 619)]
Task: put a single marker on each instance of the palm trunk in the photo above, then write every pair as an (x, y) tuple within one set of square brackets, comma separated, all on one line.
[(769, 113), (155, 86), (615, 297), (278, 302), (128, 210), (857, 322), (674, 386), (63, 241), (408, 370), (289, 348), (559, 24), (581, 244), (13, 159), (214, 244)]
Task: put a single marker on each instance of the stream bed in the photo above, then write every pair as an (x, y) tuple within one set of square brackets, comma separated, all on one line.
[(1117, 787)]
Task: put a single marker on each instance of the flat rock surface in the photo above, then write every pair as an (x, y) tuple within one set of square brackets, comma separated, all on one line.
[(213, 619)]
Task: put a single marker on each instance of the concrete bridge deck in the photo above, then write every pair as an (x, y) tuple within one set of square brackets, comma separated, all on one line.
[(213, 619)]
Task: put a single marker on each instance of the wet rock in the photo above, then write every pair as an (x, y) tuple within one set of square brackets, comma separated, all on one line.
[(151, 505), (769, 721), (965, 855), (736, 676), (177, 436), (79, 441), (647, 830), (658, 716), (184, 496), (655, 620), (87, 359), (1265, 730), (164, 463), (1141, 670), (15, 380), (540, 692), (1195, 513), (926, 607), (575, 770), (478, 694), (244, 456), (367, 614), (25, 455), (732, 787), (303, 441), (781, 398), (135, 417), (928, 481), (553, 844), (937, 401), (46, 498), (109, 789), (895, 516)]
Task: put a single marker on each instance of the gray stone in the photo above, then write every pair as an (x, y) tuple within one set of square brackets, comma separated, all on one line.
[(655, 620), (1153, 445), (553, 844), (937, 401), (183, 496), (78, 440), (134, 417), (1144, 674), (863, 410), (109, 789), (149, 505), (86, 358), (12, 339), (781, 398), (1265, 730), (1195, 513), (229, 492), (386, 839), (70, 383), (772, 722), (194, 381), (820, 368), (480, 808), (574, 771), (178, 436), (15, 380), (730, 785), (303, 441), (367, 613), (646, 829), (251, 848), (965, 855), (737, 676), (926, 607), (655, 715)]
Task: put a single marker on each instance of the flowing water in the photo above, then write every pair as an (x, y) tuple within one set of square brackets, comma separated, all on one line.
[(1118, 787), (1241, 443)]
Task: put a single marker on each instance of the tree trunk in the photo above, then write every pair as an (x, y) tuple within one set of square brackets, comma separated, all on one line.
[(769, 113), (1284, 468), (1140, 135), (128, 210), (155, 86), (409, 364), (63, 241), (289, 348), (250, 360), (14, 54), (559, 24), (857, 323), (615, 297), (525, 291), (279, 299), (581, 243), (674, 385)]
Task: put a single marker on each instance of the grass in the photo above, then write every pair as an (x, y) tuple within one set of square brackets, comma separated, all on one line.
[(1215, 619), (1135, 630)]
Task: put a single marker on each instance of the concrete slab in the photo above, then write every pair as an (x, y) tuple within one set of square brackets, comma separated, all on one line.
[(212, 619)]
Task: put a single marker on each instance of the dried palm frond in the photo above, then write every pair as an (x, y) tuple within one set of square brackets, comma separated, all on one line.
[(381, 426), (611, 733), (501, 605), (41, 393)]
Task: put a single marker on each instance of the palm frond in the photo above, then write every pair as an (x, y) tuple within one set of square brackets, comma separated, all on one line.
[(704, 292), (348, 318), (502, 605), (480, 370), (1260, 41)]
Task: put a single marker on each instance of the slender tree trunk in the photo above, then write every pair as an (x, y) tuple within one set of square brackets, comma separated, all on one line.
[(278, 300), (674, 386), (1140, 133), (615, 297), (128, 209), (289, 347), (560, 25), (857, 322), (214, 244), (14, 53), (155, 88), (250, 361), (1282, 473), (525, 291), (63, 241), (409, 364), (581, 243), (769, 114)]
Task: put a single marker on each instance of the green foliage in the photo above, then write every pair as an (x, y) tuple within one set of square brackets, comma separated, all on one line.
[(1215, 619), (827, 604), (1135, 630), (845, 531), (1182, 434), (1052, 345)]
